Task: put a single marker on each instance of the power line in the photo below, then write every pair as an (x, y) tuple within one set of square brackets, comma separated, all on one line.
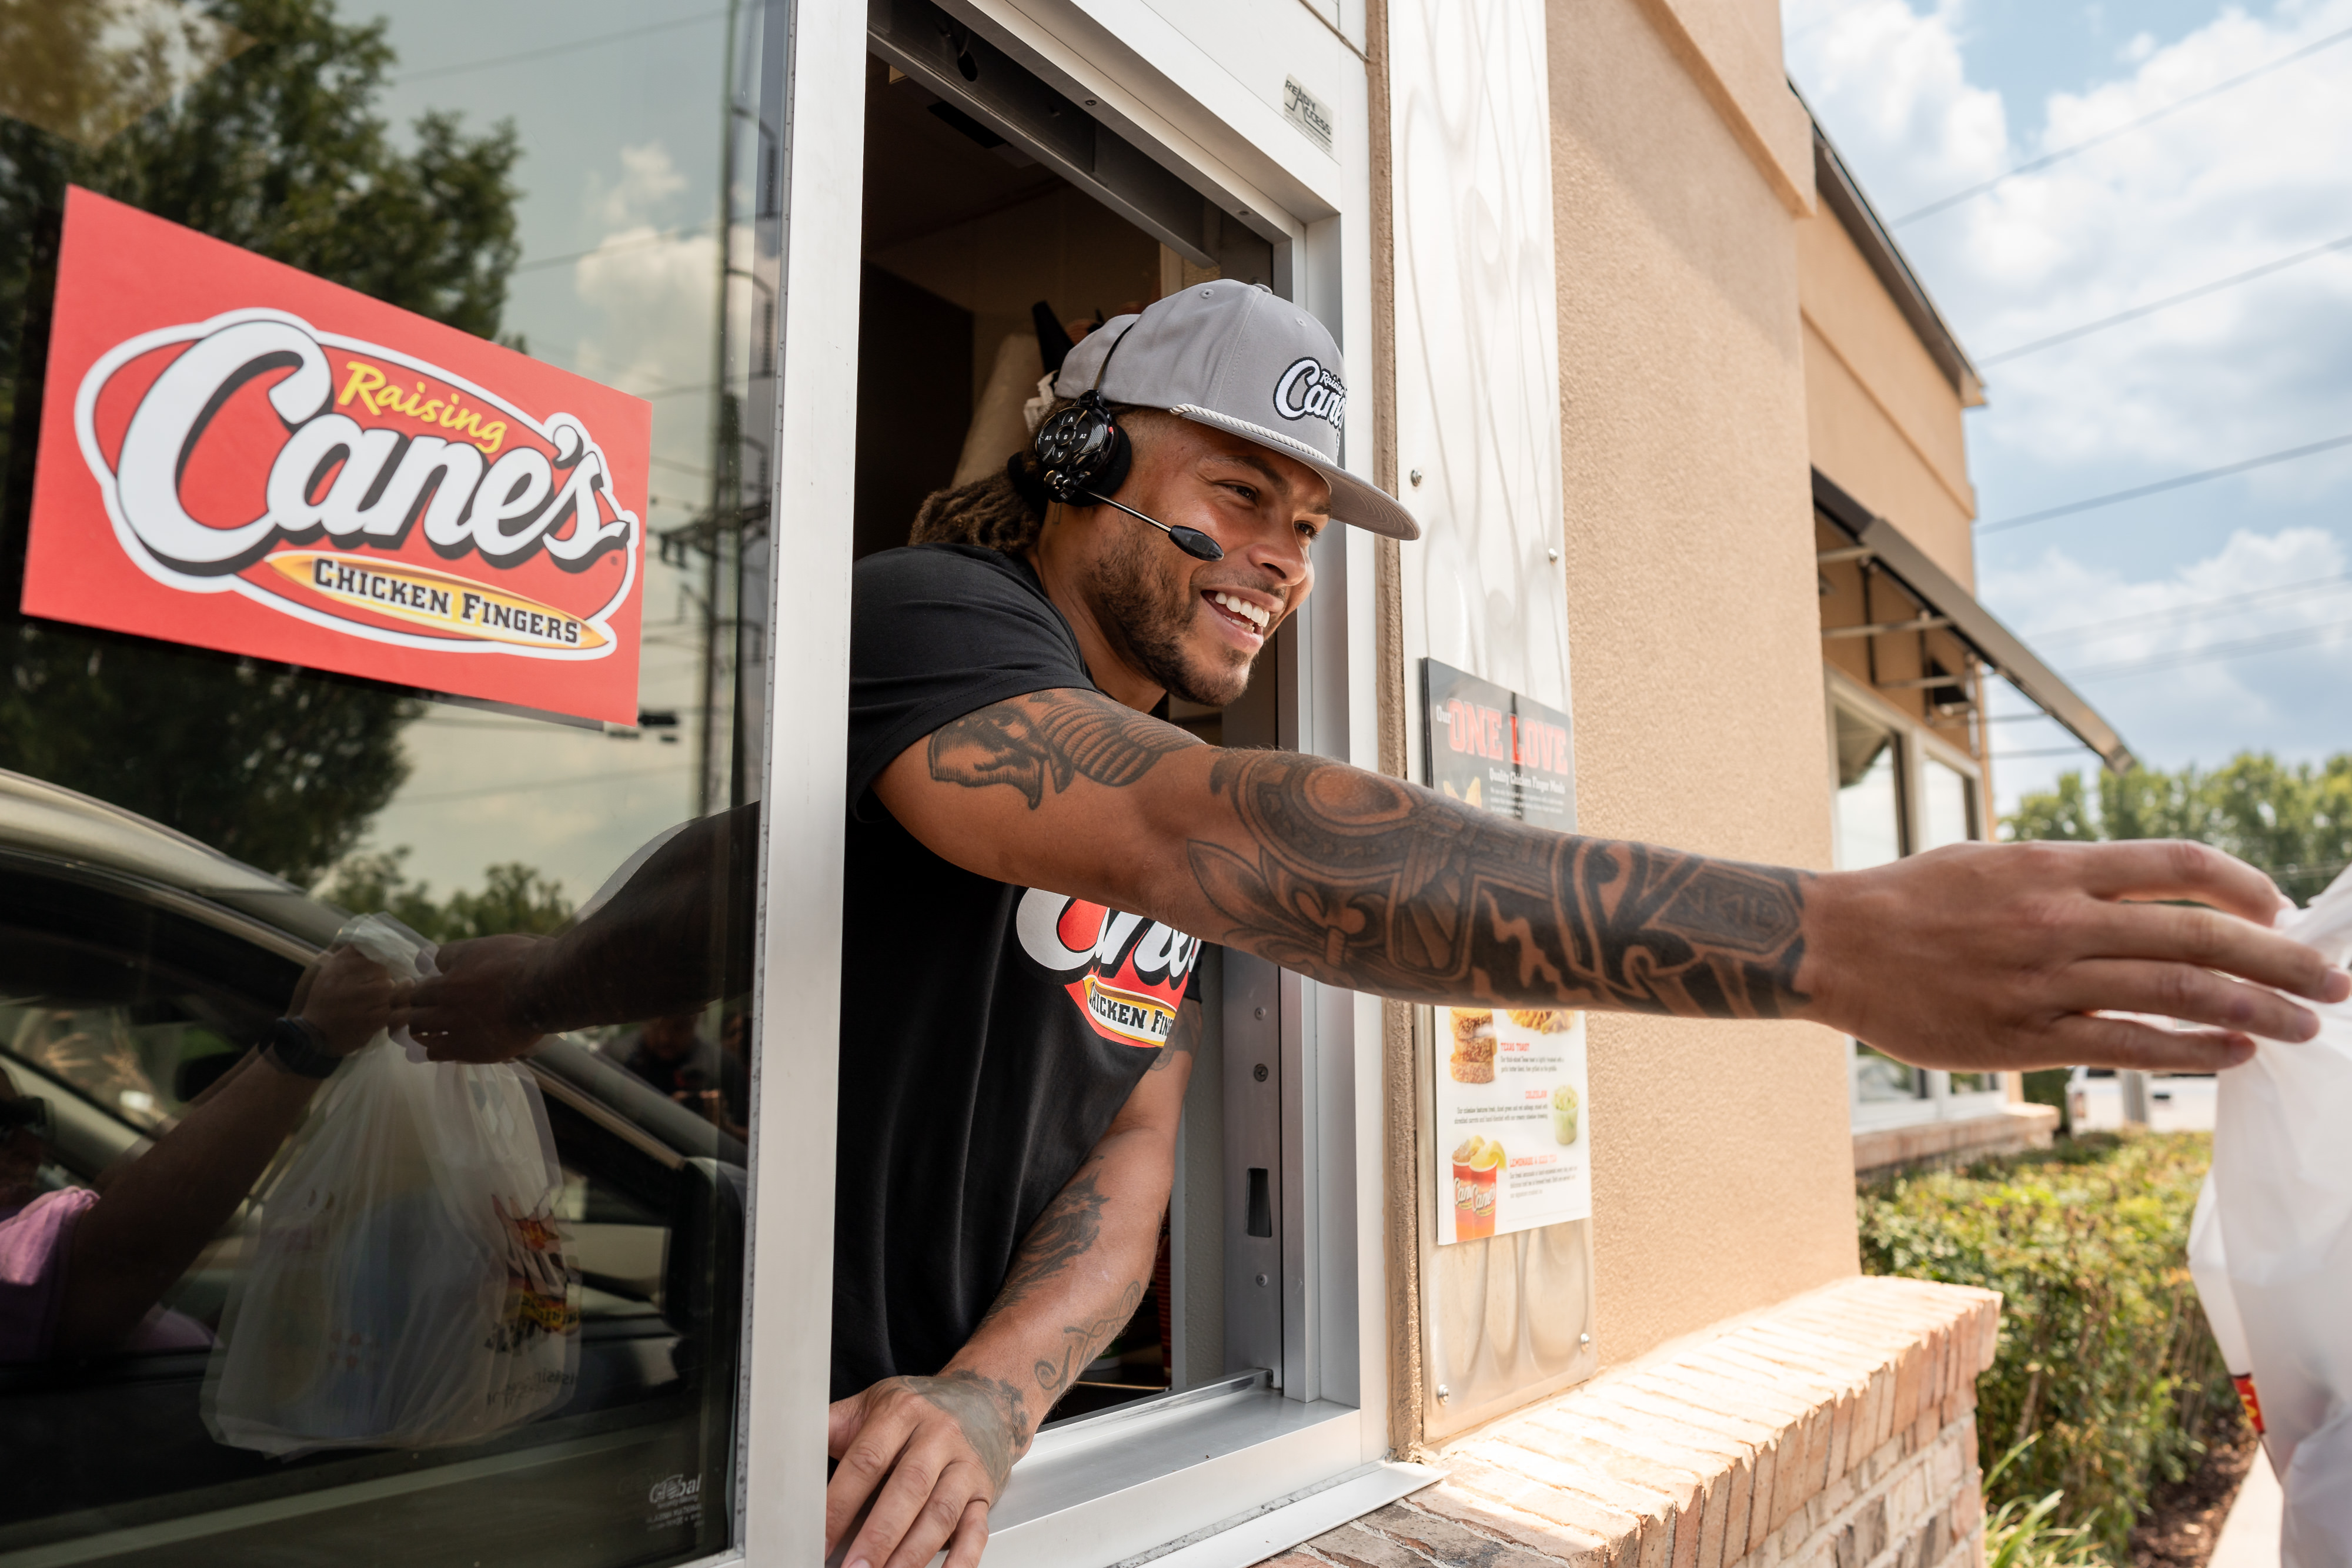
[(1957, 197), (2175, 482), (2244, 647), (2192, 612), (573, 46), (2136, 312), (609, 248), (2074, 750)]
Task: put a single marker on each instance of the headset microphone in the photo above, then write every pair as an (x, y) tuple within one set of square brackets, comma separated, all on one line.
[(1085, 455)]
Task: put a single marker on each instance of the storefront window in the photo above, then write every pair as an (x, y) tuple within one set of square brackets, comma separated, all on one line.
[(1869, 796), (1944, 817), (421, 1313)]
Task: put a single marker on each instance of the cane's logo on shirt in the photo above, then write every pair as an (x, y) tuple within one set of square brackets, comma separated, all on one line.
[(1125, 974)]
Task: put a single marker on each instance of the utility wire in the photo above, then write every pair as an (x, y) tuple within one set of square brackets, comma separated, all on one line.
[(609, 248), (566, 48), (605, 778), (2244, 647), (2074, 750), (1957, 197), (2136, 311), (2175, 482), (2195, 610)]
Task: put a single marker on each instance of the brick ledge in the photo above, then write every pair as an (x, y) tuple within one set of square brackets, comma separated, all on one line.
[(2012, 1128), (1836, 1430)]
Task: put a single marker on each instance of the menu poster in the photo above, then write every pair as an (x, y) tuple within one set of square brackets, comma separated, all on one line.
[(1513, 1147), (1495, 749)]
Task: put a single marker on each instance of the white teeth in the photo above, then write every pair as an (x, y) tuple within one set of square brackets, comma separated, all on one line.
[(1254, 615)]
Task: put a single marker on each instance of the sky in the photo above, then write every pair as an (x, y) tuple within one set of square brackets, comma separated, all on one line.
[(2212, 617)]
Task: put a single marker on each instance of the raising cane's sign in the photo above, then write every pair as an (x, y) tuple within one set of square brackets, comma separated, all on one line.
[(238, 455)]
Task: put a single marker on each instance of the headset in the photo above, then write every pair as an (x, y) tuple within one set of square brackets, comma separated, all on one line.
[(1085, 455)]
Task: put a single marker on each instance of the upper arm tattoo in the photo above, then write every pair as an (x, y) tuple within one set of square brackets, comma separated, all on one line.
[(1369, 881), (1045, 740)]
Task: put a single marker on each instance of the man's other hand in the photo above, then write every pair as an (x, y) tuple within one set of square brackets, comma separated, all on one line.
[(476, 1009), (930, 1454), (2001, 957)]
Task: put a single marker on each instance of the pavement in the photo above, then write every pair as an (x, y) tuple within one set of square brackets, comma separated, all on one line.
[(2249, 1536)]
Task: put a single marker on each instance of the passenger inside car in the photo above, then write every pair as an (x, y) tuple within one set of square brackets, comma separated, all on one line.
[(83, 1268)]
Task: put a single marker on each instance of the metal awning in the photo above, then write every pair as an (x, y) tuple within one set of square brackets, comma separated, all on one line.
[(1944, 601)]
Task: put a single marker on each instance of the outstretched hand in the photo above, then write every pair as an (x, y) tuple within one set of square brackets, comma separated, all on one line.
[(476, 1008), (2005, 956)]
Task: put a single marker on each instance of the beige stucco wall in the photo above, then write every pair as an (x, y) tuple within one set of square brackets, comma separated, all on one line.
[(1881, 417), (1724, 1180)]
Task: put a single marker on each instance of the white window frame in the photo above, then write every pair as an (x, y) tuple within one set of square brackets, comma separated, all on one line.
[(1237, 1472), (1917, 744)]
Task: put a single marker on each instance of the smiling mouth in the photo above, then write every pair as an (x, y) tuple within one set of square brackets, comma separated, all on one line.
[(1249, 617)]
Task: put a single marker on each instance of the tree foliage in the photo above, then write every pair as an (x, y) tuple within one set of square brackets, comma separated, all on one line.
[(277, 150), (2294, 820), (514, 897)]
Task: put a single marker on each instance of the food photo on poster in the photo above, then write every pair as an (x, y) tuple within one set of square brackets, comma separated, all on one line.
[(239, 456), (1510, 1081)]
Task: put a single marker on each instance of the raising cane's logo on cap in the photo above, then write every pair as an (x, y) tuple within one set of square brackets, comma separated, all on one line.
[(310, 475), (1127, 974)]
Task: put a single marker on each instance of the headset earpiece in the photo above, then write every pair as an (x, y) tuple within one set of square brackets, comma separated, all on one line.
[(1082, 453)]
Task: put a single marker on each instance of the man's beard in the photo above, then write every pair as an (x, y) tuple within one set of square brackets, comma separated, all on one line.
[(1151, 616)]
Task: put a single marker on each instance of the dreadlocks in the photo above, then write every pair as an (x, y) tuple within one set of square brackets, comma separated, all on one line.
[(1005, 510)]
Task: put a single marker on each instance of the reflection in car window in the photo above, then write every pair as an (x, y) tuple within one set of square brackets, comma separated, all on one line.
[(184, 832)]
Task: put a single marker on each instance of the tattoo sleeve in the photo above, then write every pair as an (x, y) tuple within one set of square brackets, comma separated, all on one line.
[(1069, 1228), (1365, 880), (1047, 740), (1368, 882)]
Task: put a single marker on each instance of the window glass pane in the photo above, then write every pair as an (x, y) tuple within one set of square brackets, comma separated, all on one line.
[(1975, 1083), (425, 1313), (1879, 1079), (1869, 800), (1944, 814)]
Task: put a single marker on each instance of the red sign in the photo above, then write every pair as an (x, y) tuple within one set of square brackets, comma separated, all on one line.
[(238, 455)]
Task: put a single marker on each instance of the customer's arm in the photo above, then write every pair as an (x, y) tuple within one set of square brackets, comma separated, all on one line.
[(159, 1210), (931, 1453), (1974, 956)]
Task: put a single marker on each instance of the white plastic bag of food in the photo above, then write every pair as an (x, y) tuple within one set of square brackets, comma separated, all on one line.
[(2272, 1251), (409, 1284)]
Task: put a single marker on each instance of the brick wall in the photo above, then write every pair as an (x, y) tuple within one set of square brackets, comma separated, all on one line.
[(1837, 1430)]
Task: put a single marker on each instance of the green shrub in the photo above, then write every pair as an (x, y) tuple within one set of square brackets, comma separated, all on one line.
[(2106, 1366)]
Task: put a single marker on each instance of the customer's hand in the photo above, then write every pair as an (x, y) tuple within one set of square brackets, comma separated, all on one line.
[(477, 1009), (930, 1454), (2000, 957), (347, 996)]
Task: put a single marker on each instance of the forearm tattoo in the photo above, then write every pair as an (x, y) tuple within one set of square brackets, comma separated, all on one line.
[(1368, 882), (1082, 1342), (1063, 1233), (1365, 880), (1047, 740)]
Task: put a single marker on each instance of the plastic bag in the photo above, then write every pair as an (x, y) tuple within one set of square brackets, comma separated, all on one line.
[(410, 1284), (2271, 1250)]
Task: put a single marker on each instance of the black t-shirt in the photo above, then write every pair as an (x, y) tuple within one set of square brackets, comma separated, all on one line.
[(989, 1033)]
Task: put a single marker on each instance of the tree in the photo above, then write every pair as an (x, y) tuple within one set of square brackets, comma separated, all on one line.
[(514, 897), (275, 150), (2294, 820)]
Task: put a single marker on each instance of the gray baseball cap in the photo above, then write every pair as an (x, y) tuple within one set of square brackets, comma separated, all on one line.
[(1239, 358)]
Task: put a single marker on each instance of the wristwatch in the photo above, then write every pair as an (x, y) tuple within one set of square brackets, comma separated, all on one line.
[(296, 1046)]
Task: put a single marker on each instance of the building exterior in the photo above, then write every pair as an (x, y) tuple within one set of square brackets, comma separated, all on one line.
[(1685, 440)]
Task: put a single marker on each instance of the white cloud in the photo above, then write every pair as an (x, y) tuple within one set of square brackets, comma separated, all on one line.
[(649, 179), (2222, 186), (2095, 622)]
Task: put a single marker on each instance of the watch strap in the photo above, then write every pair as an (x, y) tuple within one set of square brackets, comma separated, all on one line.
[(296, 1046)]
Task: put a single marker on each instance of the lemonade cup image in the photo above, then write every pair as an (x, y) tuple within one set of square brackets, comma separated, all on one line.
[(1483, 1168), (1566, 1112), (1475, 1163)]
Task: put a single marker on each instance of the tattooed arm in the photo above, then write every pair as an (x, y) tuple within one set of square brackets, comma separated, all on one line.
[(1973, 956), (932, 1452)]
